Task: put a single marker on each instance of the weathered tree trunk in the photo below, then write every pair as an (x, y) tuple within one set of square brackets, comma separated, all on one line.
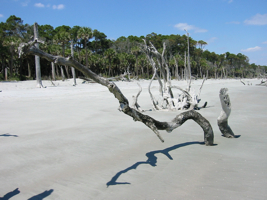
[(62, 73), (37, 58), (185, 71), (201, 86), (225, 113), (53, 71), (135, 105), (72, 68), (67, 71), (148, 71), (155, 104), (224, 73), (176, 70), (188, 63), (6, 73), (57, 72), (29, 69), (11, 61), (153, 124)]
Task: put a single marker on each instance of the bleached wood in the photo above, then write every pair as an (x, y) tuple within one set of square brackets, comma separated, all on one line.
[(135, 104), (225, 113), (201, 86), (72, 69), (37, 58)]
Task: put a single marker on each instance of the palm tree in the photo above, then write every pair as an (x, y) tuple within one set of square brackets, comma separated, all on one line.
[(85, 34), (11, 42), (55, 50), (110, 55), (63, 38), (202, 44), (142, 62), (136, 51)]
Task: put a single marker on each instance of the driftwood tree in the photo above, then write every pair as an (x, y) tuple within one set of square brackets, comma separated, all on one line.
[(73, 69), (187, 100), (37, 58), (154, 125), (225, 113)]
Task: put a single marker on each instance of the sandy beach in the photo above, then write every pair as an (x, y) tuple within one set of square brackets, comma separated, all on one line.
[(69, 142)]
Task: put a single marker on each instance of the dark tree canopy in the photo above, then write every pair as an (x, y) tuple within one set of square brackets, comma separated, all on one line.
[(126, 53)]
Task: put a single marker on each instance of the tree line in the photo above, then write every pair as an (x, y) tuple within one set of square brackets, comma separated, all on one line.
[(114, 57)]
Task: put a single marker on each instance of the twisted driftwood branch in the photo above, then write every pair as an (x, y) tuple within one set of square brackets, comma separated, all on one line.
[(225, 113), (135, 105), (154, 125)]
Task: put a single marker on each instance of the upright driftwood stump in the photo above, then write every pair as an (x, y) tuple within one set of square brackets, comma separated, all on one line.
[(225, 113)]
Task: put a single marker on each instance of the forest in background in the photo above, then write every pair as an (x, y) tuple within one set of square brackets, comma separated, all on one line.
[(111, 58)]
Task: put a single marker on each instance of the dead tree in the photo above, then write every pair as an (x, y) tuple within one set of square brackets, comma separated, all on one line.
[(154, 125), (135, 105), (72, 69), (225, 113), (188, 100), (188, 62), (53, 71), (37, 58), (263, 83)]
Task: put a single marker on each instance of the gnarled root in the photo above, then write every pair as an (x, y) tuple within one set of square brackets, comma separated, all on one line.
[(225, 113)]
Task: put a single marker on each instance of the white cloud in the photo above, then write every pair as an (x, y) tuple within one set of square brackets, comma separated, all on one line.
[(264, 42), (230, 1), (256, 48), (59, 7), (183, 26), (25, 3), (233, 22), (258, 19), (1, 15), (39, 5), (211, 40)]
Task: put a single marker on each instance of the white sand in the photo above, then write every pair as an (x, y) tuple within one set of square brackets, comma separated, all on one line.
[(70, 142)]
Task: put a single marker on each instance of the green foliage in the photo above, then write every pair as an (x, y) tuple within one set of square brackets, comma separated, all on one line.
[(113, 57)]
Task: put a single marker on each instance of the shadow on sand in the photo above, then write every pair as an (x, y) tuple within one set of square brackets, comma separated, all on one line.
[(42, 195), (37, 197), (236, 136), (10, 194), (152, 161), (8, 135)]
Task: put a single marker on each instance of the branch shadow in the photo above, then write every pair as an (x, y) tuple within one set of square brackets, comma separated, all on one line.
[(8, 135), (10, 194), (36, 197), (152, 161), (235, 136), (41, 195)]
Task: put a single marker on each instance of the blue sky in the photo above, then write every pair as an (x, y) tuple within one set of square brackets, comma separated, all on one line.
[(237, 26)]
